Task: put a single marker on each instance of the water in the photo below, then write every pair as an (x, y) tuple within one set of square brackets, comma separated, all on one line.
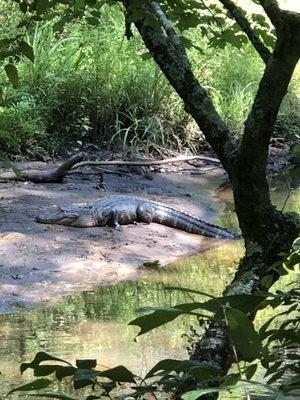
[(94, 324)]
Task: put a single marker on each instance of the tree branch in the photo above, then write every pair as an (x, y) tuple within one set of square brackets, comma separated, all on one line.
[(273, 11), (165, 23), (170, 55), (238, 14), (260, 123)]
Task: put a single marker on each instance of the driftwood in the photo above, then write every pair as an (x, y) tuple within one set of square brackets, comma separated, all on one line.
[(74, 163), (148, 163), (52, 176)]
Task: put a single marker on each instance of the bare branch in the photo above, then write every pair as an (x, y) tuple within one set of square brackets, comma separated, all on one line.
[(239, 15), (166, 24), (260, 123), (148, 163)]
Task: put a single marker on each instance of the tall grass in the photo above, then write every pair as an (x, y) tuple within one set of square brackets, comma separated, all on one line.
[(89, 84)]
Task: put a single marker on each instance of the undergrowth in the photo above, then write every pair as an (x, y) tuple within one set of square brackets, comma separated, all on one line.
[(91, 85)]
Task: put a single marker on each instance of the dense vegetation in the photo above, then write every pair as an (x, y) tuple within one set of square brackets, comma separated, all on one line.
[(89, 84)]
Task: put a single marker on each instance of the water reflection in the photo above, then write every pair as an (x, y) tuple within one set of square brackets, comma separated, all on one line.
[(95, 322)]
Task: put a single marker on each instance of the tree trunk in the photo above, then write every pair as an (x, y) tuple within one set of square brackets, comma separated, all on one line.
[(267, 231)]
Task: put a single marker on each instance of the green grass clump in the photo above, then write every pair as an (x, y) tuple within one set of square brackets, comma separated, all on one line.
[(90, 85)]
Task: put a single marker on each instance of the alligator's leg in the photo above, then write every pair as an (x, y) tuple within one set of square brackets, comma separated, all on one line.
[(114, 220), (111, 218), (144, 214)]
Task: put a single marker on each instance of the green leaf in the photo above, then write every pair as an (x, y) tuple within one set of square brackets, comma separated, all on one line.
[(79, 3), (44, 370), (27, 50), (204, 373), (12, 74), (34, 385), (291, 383), (92, 21), (243, 334), (182, 289), (81, 383), (59, 25), (243, 302), (230, 379), (156, 319), (23, 6), (39, 357), (198, 369), (195, 394), (119, 374), (5, 42), (276, 377), (62, 372), (86, 363), (250, 371), (167, 365)]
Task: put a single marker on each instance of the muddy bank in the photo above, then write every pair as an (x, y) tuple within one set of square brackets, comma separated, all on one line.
[(39, 263)]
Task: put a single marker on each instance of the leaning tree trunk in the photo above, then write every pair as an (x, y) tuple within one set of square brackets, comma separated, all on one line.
[(267, 231)]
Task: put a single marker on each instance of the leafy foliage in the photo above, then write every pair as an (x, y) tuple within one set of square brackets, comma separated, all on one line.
[(274, 347), (77, 98)]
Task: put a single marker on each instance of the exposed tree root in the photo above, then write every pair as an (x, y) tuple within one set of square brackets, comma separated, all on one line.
[(53, 176)]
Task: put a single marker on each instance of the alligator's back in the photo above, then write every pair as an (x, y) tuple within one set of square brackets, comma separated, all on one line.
[(127, 207)]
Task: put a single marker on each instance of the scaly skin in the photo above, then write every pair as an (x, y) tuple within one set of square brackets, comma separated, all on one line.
[(122, 210)]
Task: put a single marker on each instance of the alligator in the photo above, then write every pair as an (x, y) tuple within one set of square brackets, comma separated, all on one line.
[(122, 210)]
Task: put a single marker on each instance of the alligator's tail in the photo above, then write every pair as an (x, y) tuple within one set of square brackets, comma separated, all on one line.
[(185, 222)]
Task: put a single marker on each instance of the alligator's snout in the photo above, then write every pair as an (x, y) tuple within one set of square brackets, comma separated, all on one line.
[(60, 217)]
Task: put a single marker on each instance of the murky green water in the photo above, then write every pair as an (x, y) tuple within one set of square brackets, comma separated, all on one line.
[(94, 324)]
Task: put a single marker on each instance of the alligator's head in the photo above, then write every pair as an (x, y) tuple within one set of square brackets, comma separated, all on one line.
[(64, 216)]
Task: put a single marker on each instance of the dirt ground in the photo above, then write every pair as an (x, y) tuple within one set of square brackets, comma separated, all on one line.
[(39, 263)]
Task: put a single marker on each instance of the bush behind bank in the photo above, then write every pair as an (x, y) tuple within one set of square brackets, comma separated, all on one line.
[(91, 85)]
